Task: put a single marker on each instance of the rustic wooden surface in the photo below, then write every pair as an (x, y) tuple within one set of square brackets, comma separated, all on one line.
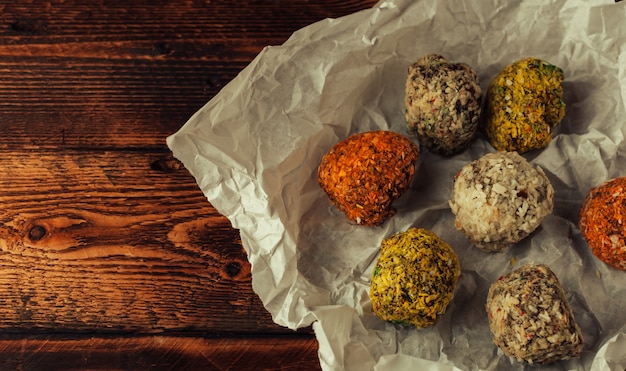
[(110, 256)]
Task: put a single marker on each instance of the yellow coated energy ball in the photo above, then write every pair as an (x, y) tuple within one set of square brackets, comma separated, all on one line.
[(414, 278), (524, 105)]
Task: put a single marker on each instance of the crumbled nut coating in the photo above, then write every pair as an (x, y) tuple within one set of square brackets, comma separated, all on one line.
[(365, 173), (524, 105), (414, 278), (443, 103), (603, 222), (500, 199), (530, 317)]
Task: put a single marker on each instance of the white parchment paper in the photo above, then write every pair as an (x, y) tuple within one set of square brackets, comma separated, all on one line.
[(255, 147)]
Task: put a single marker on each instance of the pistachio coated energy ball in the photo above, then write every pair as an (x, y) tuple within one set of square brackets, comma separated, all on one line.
[(414, 278), (524, 105)]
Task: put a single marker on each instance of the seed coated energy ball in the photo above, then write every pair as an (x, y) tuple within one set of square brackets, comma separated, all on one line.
[(524, 105), (365, 173), (414, 278), (442, 102), (603, 222), (530, 317), (500, 199)]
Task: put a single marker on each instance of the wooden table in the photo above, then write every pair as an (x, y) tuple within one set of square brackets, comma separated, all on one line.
[(110, 255)]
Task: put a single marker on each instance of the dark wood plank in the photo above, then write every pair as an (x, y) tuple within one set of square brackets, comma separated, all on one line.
[(104, 237), (92, 238), (104, 242), (119, 74), (251, 19), (160, 353)]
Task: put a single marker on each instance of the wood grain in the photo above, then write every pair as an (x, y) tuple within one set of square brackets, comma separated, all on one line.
[(160, 353), (92, 237), (114, 74), (110, 255), (100, 241)]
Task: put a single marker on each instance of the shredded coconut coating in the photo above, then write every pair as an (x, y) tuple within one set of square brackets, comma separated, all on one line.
[(443, 103), (524, 104), (530, 317), (500, 199), (603, 222), (414, 278), (365, 173)]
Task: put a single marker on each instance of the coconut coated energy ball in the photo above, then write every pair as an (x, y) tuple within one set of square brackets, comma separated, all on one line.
[(365, 173), (500, 199), (414, 278), (524, 105), (603, 222), (530, 317), (443, 102)]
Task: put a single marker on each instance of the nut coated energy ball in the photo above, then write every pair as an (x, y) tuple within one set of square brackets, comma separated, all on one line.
[(530, 317), (500, 199), (442, 101)]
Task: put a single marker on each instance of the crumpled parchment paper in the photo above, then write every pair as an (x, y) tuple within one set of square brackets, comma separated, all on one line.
[(255, 147)]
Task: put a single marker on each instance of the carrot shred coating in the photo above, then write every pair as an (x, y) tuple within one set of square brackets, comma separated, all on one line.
[(602, 218), (366, 172)]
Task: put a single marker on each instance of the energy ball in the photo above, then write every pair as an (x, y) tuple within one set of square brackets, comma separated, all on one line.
[(443, 102), (603, 222), (523, 105), (530, 317), (500, 199), (365, 173), (414, 278)]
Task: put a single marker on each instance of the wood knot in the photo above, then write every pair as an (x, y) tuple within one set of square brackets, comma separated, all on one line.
[(36, 233), (29, 26), (162, 49), (167, 164), (214, 82), (232, 269)]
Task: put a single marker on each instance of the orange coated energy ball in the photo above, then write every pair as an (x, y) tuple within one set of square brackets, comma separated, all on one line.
[(602, 222), (365, 173)]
